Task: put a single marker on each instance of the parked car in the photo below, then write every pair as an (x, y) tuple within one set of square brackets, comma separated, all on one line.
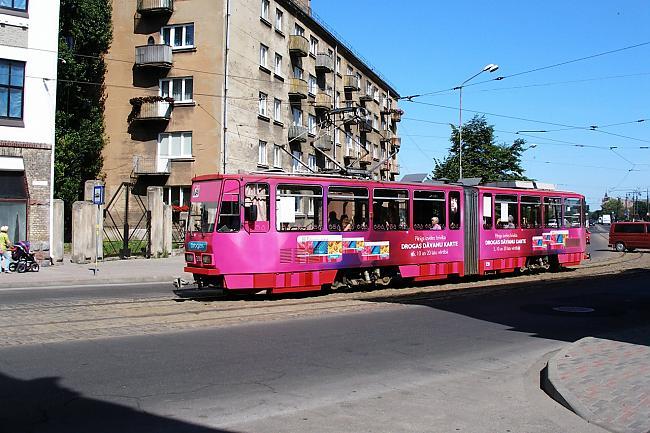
[(629, 236)]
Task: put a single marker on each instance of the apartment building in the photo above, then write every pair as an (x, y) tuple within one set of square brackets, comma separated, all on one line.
[(28, 62), (204, 86)]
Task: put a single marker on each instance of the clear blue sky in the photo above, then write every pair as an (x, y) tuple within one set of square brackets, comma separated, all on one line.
[(423, 46)]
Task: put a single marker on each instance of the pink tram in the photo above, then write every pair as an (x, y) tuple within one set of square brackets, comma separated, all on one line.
[(284, 233)]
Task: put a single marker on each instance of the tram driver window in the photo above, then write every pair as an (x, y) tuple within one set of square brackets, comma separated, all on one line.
[(487, 211), (299, 208), (531, 212), (552, 212), (347, 209), (202, 217), (390, 209), (229, 219), (506, 210), (429, 210), (454, 210)]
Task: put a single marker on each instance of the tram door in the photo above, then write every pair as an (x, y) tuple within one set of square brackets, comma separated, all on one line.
[(471, 230)]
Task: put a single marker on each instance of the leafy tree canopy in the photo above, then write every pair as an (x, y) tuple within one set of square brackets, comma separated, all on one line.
[(482, 157)]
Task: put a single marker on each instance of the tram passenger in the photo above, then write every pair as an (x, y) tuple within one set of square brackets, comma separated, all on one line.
[(345, 223), (435, 223), (511, 222), (333, 222)]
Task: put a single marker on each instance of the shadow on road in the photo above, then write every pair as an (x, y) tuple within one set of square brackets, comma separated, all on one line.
[(43, 405), (614, 307)]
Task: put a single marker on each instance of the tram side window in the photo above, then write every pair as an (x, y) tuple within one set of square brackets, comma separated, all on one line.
[(299, 208), (229, 219), (454, 210), (429, 210), (347, 209), (506, 209), (572, 212), (390, 209), (256, 203), (531, 209), (487, 211), (552, 212), (202, 217)]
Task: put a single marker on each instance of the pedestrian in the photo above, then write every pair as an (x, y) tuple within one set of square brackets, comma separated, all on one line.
[(435, 223), (5, 245)]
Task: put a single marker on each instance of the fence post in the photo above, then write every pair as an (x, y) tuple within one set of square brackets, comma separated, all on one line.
[(56, 249), (167, 229), (155, 205)]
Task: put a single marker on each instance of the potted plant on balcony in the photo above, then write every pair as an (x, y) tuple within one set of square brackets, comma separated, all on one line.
[(137, 103)]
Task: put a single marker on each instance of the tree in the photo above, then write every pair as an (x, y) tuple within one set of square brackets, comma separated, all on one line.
[(85, 33), (482, 157), (614, 207)]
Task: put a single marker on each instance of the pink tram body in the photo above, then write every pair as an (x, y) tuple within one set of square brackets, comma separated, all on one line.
[(283, 233)]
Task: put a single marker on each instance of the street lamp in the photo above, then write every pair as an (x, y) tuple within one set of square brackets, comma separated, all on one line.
[(488, 68)]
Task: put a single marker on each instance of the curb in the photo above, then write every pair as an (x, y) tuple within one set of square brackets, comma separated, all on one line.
[(98, 281)]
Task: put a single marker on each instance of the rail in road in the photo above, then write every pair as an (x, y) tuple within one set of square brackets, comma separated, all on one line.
[(65, 320)]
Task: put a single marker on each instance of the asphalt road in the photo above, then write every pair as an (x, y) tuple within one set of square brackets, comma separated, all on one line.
[(598, 249), (466, 364)]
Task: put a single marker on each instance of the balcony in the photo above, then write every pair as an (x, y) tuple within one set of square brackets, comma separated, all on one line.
[(351, 83), (159, 110), (394, 168), (151, 166), (298, 88), (324, 62), (396, 115), (155, 7), (366, 96), (323, 101), (298, 133), (396, 142), (365, 125), (298, 46), (324, 143), (156, 56)]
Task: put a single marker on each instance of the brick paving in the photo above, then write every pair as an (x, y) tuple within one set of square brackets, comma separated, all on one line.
[(607, 381)]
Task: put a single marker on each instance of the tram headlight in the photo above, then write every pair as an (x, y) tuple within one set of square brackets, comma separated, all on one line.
[(206, 259), (189, 257)]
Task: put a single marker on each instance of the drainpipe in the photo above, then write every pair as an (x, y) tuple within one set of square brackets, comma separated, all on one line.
[(336, 54), (224, 103)]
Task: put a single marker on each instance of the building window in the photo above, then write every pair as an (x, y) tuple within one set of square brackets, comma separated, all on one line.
[(173, 145), (296, 166), (12, 82), (348, 144), (368, 88), (264, 54), (262, 104), (375, 151), (181, 89), (337, 138), (265, 10), (296, 114), (17, 5), (261, 153), (278, 65), (338, 65), (312, 84), (297, 72), (359, 79), (277, 156), (311, 162), (313, 45), (298, 30), (177, 195), (277, 110), (179, 37), (349, 70), (375, 122), (311, 124), (278, 19)]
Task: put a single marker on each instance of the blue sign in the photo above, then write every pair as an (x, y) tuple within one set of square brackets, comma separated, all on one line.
[(98, 194), (197, 246)]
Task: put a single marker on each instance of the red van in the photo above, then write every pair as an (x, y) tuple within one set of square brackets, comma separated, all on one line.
[(629, 236)]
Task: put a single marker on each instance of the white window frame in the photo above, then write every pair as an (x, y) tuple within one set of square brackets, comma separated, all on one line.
[(349, 70), (296, 167), (348, 144), (312, 84), (298, 30), (277, 110), (264, 56), (311, 124), (262, 153), (277, 156), (295, 110), (172, 35), (163, 156), (311, 163), (337, 137), (279, 18), (263, 101), (170, 88), (264, 12), (338, 64), (278, 64), (313, 45)]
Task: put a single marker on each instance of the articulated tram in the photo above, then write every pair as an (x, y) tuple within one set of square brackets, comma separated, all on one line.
[(283, 233)]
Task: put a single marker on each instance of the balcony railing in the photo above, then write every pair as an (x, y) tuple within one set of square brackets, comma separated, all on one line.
[(366, 96), (298, 46), (146, 165), (323, 101), (155, 6), (396, 115), (396, 142), (297, 133), (161, 110), (365, 125), (324, 62), (351, 83), (298, 88), (159, 55), (324, 142)]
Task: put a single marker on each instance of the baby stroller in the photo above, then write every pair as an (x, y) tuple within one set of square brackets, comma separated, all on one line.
[(23, 259)]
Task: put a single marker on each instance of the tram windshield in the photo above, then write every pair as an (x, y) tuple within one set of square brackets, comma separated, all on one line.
[(202, 217)]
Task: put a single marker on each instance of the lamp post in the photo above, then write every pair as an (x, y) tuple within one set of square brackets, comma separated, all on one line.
[(488, 68)]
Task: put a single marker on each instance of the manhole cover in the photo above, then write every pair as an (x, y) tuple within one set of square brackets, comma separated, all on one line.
[(574, 309)]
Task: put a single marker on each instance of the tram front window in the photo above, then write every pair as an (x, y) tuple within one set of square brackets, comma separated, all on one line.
[(202, 217)]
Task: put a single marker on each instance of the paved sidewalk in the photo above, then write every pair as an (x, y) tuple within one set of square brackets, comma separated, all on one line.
[(136, 270), (606, 382)]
